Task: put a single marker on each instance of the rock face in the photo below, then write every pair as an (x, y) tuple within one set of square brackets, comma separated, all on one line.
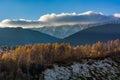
[(106, 69)]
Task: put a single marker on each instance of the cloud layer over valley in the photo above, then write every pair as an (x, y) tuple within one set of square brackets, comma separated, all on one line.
[(53, 19)]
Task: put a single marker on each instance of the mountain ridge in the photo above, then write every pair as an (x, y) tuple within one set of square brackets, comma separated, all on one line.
[(20, 36), (92, 35), (67, 30)]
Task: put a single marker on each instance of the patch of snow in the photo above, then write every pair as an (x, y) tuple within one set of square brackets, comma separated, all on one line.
[(99, 70)]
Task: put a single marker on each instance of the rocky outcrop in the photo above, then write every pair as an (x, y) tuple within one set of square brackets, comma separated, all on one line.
[(106, 69)]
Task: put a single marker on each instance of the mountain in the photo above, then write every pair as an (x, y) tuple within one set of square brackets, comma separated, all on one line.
[(60, 31), (67, 30), (64, 30), (64, 25), (94, 34), (20, 36)]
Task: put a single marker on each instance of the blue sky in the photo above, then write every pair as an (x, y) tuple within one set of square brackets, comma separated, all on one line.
[(33, 9)]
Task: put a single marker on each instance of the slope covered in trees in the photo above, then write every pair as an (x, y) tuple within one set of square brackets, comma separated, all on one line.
[(28, 62), (92, 35), (19, 36)]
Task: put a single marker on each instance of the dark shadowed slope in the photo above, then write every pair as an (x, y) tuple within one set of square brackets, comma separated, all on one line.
[(94, 34), (19, 36)]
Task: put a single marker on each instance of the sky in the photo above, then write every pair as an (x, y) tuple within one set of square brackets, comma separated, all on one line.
[(33, 9)]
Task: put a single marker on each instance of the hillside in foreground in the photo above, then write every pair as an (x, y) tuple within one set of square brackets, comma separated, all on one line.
[(98, 61)]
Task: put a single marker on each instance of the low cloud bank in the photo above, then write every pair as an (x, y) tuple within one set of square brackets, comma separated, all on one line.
[(53, 19)]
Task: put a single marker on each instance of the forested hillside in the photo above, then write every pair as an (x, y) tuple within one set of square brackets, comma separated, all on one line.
[(94, 34), (20, 36), (29, 61)]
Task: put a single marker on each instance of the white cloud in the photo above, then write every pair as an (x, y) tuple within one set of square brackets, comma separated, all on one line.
[(20, 23), (88, 17), (71, 17), (91, 13), (53, 19), (117, 15)]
